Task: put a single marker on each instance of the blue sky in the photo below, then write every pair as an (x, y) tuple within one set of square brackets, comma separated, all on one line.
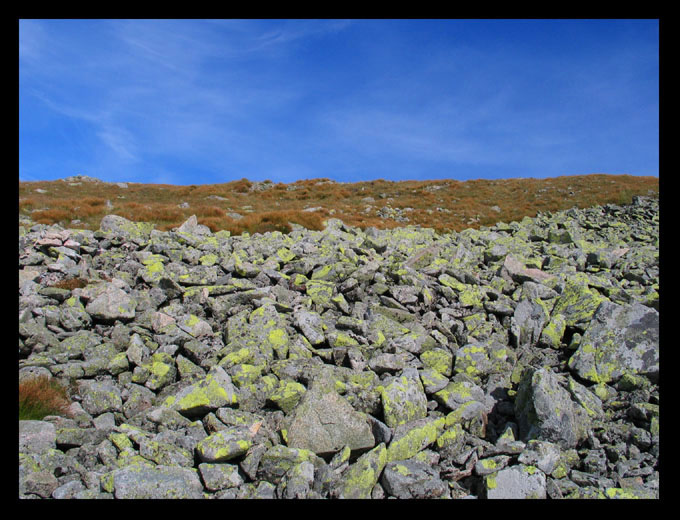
[(210, 101)]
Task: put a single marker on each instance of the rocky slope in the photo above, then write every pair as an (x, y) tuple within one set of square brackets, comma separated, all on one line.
[(515, 361)]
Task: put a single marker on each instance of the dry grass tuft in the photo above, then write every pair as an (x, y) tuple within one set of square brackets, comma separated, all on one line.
[(40, 397), (70, 284)]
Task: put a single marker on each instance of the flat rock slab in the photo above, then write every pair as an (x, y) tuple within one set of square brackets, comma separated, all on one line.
[(112, 304), (164, 482), (36, 436)]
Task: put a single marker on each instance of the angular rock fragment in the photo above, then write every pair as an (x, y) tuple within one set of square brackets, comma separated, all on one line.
[(225, 445), (360, 478), (412, 479), (516, 482), (208, 394)]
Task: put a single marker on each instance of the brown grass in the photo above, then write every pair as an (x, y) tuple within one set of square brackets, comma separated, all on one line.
[(42, 396), (274, 207), (70, 283)]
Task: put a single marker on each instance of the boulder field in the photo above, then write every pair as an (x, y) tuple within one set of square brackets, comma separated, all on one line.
[(514, 361)]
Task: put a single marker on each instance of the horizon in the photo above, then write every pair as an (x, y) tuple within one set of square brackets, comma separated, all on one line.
[(186, 102)]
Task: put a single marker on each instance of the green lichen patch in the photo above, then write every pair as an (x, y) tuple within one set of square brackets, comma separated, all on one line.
[(287, 395), (414, 437), (361, 477)]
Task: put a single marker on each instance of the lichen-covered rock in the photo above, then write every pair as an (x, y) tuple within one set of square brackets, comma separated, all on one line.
[(217, 477), (414, 436), (277, 460), (100, 397), (297, 482), (112, 304), (403, 400), (208, 394), (519, 360), (577, 302), (358, 480), (311, 326), (619, 339), (224, 445)]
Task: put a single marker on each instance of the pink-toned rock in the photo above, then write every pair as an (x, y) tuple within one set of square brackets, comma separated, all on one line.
[(520, 273)]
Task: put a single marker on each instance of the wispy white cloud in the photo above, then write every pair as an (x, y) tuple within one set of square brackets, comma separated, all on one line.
[(120, 141)]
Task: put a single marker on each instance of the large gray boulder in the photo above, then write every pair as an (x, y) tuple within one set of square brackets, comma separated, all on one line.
[(324, 422), (545, 410), (620, 339)]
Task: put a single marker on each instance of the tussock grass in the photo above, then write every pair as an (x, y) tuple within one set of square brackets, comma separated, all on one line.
[(70, 284), (445, 205), (40, 397)]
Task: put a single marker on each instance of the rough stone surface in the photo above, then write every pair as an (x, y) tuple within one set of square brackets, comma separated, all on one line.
[(159, 482), (324, 422), (515, 361)]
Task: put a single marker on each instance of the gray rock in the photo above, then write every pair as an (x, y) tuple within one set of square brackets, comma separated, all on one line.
[(516, 482), (542, 454), (158, 482), (210, 393), (545, 410), (41, 483), (412, 479), (112, 304), (297, 482), (311, 326), (100, 396), (217, 477), (36, 436), (403, 400), (528, 321), (358, 481), (278, 460), (225, 445)]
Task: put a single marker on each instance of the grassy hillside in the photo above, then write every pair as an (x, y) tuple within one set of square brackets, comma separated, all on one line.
[(243, 205)]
